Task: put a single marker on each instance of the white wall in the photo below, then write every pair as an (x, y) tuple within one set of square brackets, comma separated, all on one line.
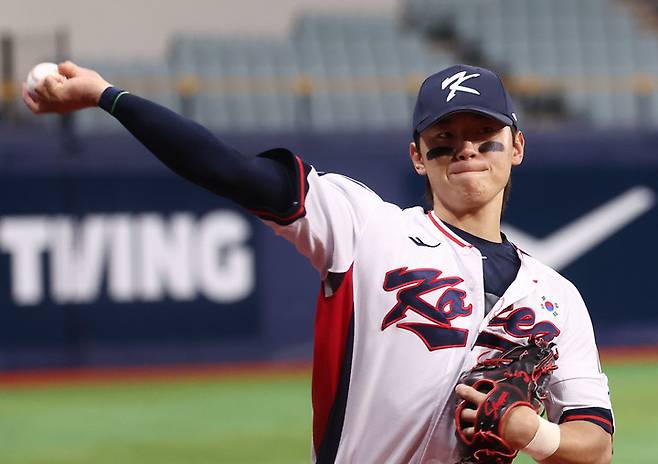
[(141, 28)]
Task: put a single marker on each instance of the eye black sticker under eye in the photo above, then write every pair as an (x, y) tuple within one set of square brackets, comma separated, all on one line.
[(440, 151), (491, 145)]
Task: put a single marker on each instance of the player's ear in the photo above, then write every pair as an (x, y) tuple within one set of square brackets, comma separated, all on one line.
[(518, 148), (417, 159)]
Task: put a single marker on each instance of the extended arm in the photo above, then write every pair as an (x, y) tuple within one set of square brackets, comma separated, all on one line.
[(186, 147)]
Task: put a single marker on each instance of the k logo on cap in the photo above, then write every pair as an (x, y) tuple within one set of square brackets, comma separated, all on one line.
[(455, 81), (462, 88)]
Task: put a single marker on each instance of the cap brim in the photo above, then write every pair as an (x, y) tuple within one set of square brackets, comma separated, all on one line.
[(465, 109)]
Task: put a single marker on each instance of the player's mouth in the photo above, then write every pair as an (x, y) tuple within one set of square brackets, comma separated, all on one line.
[(464, 167)]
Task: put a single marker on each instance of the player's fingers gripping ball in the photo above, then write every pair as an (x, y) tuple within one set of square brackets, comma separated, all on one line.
[(38, 75), (517, 377)]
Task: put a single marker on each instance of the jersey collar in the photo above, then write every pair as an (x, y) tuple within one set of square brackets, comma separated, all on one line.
[(446, 231), (524, 283)]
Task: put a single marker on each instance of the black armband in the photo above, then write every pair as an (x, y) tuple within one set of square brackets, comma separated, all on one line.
[(110, 97)]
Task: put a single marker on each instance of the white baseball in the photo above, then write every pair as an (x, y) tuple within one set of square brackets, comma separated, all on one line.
[(38, 74)]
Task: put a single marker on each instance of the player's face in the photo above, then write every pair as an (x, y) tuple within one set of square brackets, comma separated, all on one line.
[(467, 159)]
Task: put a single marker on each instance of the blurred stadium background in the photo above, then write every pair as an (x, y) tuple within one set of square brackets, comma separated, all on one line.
[(144, 320)]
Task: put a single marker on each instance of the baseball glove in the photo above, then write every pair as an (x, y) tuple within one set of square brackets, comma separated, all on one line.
[(518, 376)]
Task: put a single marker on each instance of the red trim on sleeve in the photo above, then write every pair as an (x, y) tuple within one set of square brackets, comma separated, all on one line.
[(588, 417), (332, 325), (302, 197), (445, 232)]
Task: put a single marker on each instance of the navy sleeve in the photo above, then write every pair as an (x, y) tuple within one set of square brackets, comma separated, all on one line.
[(263, 183), (599, 416)]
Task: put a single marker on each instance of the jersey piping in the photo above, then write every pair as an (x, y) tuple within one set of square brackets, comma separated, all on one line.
[(446, 232), (332, 360), (598, 416), (301, 171)]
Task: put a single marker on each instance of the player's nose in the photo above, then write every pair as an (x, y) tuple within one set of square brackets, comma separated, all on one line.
[(466, 151)]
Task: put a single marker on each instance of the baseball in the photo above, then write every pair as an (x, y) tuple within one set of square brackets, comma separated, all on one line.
[(38, 74)]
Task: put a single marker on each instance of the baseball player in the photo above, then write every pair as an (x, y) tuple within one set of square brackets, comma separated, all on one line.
[(410, 298)]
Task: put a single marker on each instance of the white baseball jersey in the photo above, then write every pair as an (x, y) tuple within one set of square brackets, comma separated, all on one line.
[(401, 315)]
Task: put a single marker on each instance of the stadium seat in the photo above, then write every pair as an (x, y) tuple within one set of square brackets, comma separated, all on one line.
[(567, 41), (346, 71)]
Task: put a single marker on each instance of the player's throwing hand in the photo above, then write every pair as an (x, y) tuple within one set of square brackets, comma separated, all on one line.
[(74, 89)]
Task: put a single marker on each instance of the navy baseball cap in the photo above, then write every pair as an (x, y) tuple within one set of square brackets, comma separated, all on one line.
[(462, 88)]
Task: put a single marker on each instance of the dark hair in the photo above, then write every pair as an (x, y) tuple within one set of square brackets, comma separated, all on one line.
[(428, 196)]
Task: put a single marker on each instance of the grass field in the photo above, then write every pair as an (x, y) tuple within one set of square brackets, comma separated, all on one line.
[(231, 419)]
